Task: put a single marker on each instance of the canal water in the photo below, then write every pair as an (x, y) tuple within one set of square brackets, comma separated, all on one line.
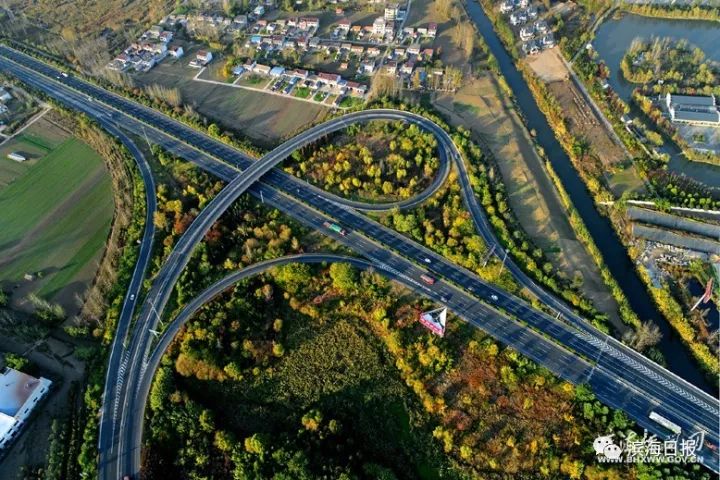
[(614, 36), (614, 253)]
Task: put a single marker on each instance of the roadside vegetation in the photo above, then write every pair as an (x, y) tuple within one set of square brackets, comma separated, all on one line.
[(375, 161), (694, 328), (304, 372)]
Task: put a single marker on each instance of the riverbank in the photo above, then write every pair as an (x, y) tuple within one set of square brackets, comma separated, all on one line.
[(675, 12), (611, 248)]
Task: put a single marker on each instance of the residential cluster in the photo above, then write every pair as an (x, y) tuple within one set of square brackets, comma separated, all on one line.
[(150, 49), (358, 51), (304, 83), (535, 34)]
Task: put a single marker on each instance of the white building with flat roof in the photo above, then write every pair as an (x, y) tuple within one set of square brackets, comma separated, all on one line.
[(694, 109), (19, 394)]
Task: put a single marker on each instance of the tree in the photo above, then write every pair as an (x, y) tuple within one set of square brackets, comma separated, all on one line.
[(224, 440), (344, 276), (162, 386), (293, 276), (646, 335), (18, 362), (311, 420), (256, 444)]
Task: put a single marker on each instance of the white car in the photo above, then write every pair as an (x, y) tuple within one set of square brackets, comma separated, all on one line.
[(494, 297), (427, 260), (132, 296)]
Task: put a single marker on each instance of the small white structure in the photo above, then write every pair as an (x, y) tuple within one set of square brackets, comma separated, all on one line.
[(4, 95), (19, 394), (16, 156), (378, 27), (435, 320), (202, 58), (176, 51), (391, 12), (507, 6), (526, 33)]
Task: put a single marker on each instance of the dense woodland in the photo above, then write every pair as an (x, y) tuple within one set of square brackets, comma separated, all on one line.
[(671, 67), (304, 373), (375, 161)]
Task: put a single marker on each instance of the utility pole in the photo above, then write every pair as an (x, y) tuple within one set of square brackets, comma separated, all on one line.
[(502, 267)]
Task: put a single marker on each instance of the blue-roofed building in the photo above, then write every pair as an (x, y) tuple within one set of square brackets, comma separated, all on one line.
[(277, 71), (699, 110)]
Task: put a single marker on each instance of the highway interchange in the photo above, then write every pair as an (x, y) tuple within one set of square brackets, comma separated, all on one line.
[(567, 345)]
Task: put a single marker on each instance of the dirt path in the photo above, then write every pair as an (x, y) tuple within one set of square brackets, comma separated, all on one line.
[(481, 107)]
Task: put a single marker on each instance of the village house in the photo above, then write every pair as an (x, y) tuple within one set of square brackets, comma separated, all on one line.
[(331, 79), (378, 27), (344, 25), (202, 58), (367, 67), (176, 51), (407, 67)]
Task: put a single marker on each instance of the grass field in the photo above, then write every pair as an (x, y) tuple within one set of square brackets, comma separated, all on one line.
[(264, 118), (56, 217)]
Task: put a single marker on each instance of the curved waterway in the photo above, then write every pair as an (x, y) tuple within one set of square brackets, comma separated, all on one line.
[(614, 253)]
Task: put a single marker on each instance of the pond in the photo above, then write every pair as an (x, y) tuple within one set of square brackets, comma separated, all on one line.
[(612, 40), (615, 35)]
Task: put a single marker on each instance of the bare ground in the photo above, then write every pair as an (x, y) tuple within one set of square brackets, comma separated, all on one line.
[(607, 158), (264, 118), (481, 107)]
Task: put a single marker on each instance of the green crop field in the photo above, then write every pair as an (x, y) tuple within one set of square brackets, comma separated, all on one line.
[(56, 216)]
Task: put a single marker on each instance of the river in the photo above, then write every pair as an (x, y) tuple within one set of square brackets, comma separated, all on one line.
[(615, 255), (614, 36)]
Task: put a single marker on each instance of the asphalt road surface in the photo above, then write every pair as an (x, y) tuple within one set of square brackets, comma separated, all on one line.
[(567, 345)]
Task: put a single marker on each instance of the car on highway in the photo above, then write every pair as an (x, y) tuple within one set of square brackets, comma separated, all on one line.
[(427, 260), (427, 279), (64, 74), (494, 297), (132, 296)]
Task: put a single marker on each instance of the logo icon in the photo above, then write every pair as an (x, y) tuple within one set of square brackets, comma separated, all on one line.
[(605, 448), (648, 448)]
